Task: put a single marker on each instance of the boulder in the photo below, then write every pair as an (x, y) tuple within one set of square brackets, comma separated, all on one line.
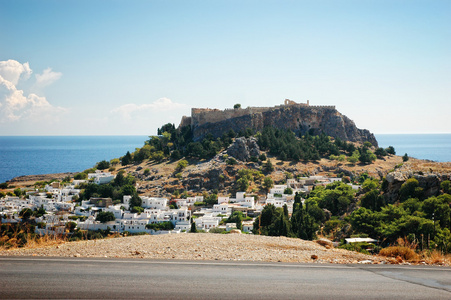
[(242, 149)]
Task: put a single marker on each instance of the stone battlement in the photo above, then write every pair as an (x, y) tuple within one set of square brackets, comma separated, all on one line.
[(200, 116)]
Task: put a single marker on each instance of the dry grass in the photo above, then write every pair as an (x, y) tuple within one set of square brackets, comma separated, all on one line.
[(44, 241), (32, 242), (436, 258), (400, 251), (405, 250)]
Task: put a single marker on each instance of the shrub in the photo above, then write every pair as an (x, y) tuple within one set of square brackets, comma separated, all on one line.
[(231, 161), (445, 185), (404, 252), (405, 157), (81, 176), (181, 165), (105, 216), (102, 165), (161, 226)]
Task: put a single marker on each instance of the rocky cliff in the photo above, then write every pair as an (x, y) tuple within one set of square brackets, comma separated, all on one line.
[(299, 118)]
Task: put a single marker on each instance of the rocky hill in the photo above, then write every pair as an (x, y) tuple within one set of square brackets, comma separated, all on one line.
[(301, 118)]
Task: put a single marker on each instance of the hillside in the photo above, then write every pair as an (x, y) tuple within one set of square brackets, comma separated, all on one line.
[(201, 246)]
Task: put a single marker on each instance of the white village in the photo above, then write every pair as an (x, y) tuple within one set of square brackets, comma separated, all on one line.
[(59, 208)]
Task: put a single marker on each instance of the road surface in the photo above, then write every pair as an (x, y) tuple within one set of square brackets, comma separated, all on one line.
[(30, 277)]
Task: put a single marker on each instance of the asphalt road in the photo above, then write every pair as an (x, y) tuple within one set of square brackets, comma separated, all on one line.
[(22, 277)]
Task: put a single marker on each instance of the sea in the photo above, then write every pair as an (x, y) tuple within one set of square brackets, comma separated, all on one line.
[(435, 147), (31, 155)]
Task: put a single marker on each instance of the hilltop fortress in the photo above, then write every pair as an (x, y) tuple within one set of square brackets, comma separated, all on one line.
[(299, 117)]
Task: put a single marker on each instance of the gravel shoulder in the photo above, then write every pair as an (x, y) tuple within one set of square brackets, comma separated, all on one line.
[(202, 246)]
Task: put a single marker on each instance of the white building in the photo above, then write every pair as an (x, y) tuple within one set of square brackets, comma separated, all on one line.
[(154, 203)]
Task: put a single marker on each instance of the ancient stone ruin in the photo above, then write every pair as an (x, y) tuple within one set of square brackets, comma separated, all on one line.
[(302, 118)]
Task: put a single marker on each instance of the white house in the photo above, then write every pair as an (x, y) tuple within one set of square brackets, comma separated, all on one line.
[(156, 203), (223, 209)]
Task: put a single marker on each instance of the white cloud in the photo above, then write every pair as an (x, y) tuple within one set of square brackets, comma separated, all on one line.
[(12, 70), (160, 105), (15, 105), (47, 77)]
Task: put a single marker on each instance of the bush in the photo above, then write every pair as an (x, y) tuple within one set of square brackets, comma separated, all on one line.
[(404, 252), (105, 216), (231, 161), (181, 165), (288, 191), (81, 176), (161, 226), (102, 165), (445, 185)]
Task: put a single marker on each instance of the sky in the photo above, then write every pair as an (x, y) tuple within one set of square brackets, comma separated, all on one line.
[(128, 67)]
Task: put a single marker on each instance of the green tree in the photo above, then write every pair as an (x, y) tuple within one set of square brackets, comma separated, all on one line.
[(288, 191), (236, 216), (102, 165), (268, 166), (390, 150), (303, 225), (135, 201), (25, 214), (366, 156), (239, 224), (81, 176), (380, 152), (242, 184), (137, 209), (71, 226), (354, 158), (410, 189), (105, 216), (193, 227), (18, 192), (40, 212), (128, 189), (445, 185), (370, 184), (126, 159), (181, 165), (335, 197), (237, 106), (438, 209), (372, 200), (268, 183), (405, 157)]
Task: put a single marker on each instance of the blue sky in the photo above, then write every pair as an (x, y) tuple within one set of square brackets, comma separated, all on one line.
[(127, 67)]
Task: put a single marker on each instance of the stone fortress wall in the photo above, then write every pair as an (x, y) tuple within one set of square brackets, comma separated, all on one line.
[(200, 116)]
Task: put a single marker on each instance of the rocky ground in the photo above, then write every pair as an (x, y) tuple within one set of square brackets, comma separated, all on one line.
[(202, 246)]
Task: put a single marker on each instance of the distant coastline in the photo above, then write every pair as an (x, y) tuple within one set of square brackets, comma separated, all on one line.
[(435, 147), (34, 155)]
